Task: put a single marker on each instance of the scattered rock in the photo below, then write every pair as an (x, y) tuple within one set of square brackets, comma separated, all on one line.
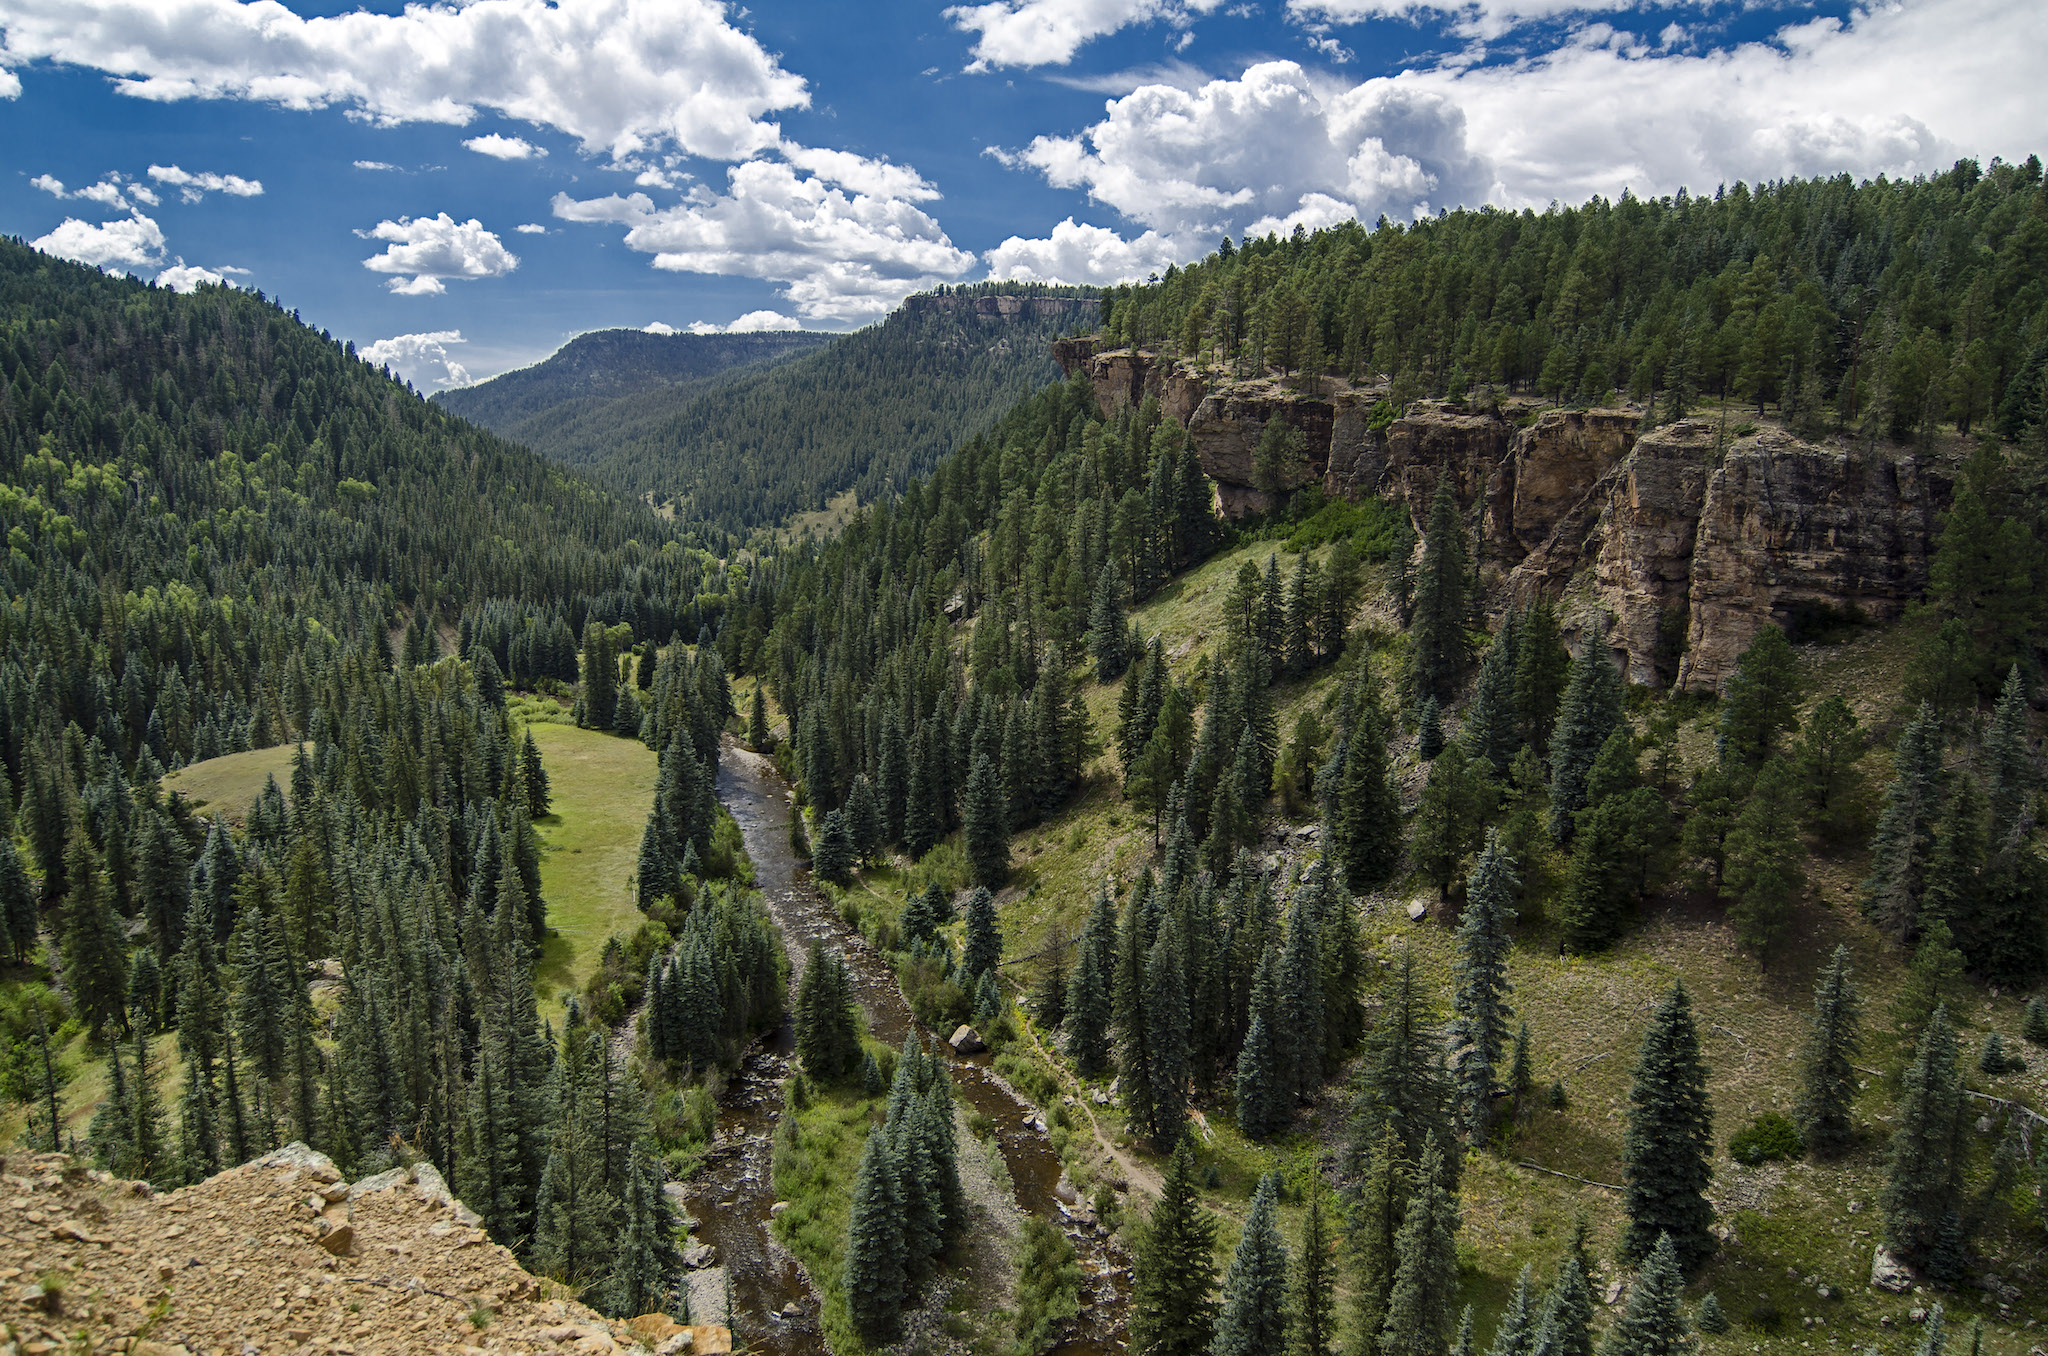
[(339, 1240), (1612, 1294), (1417, 910), (967, 1041), (700, 1255), (1887, 1272)]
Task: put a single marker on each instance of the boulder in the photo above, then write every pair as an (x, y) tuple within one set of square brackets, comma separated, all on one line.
[(1888, 1272), (383, 1181), (1417, 910), (339, 1240), (967, 1041), (700, 1255), (297, 1157)]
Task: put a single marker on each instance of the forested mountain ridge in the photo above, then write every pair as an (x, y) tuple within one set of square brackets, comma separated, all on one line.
[(525, 405), (866, 412)]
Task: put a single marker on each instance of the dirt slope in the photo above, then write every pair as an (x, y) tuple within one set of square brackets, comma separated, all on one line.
[(278, 1255)]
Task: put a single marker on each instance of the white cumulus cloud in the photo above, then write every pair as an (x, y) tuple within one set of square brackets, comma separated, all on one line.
[(422, 359), (184, 277), (1049, 32), (1077, 253), (1484, 19), (500, 147), (196, 186), (753, 322), (129, 242), (660, 327), (435, 248), (530, 228), (1900, 90), (620, 76), (375, 165), (842, 256)]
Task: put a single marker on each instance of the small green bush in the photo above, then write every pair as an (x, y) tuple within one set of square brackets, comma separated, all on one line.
[(1767, 1137)]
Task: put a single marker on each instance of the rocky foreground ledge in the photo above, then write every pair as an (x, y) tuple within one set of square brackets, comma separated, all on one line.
[(280, 1255)]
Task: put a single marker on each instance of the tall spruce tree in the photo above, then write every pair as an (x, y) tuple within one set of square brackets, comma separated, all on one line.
[(1492, 731), (1438, 649), (1365, 817), (1763, 876), (987, 824), (1923, 1174), (95, 959), (1828, 1083), (1090, 1010), (1262, 1101), (1590, 712), (1668, 1148), (1479, 1030), (983, 950), (1312, 1291), (1542, 671), (1167, 1036), (1904, 843), (1172, 1291), (1653, 1323), (1402, 1083), (1516, 1331), (1252, 1319), (827, 1029), (1378, 1203), (1421, 1305), (1760, 702), (876, 1264)]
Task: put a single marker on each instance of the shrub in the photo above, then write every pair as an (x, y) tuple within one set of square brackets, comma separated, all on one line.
[(1048, 1287), (1767, 1137)]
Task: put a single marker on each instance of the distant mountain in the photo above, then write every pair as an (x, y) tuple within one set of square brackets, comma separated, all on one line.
[(607, 365), (751, 445)]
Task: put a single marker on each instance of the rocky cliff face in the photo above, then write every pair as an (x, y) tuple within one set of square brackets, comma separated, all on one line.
[(1672, 548)]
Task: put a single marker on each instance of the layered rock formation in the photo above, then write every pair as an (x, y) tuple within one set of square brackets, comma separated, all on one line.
[(1673, 547)]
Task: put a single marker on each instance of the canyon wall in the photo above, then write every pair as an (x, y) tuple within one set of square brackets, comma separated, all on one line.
[(1672, 547)]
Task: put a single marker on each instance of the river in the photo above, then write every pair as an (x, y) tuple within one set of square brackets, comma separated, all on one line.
[(773, 1308)]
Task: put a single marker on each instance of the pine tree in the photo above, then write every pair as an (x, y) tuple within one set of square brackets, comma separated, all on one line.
[(876, 1262), (832, 856), (2009, 766), (1437, 634), (1760, 702), (1312, 1293), (1668, 1148), (827, 1030), (1542, 671), (1491, 729), (1402, 1081), (1262, 1103), (533, 779), (1172, 1309), (1425, 1289), (1089, 1004), (1904, 843), (1167, 1038), (2036, 1026), (1568, 1308), (1378, 1203), (1429, 732), (983, 950), (1366, 814), (760, 737), (1710, 1317), (1828, 1080), (987, 825), (1108, 629), (1299, 1032), (1653, 1324), (1590, 712), (646, 1257), (1763, 878), (95, 960), (17, 903), (1923, 1173), (1252, 1319), (1479, 1032), (863, 814), (1049, 995), (1516, 1331), (600, 677)]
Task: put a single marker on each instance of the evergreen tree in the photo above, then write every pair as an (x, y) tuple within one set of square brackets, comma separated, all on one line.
[(17, 903), (1542, 672), (1653, 1324), (2036, 1026), (1167, 1037), (1172, 1310), (833, 854), (1262, 1102), (1419, 1309), (1108, 628), (1438, 650), (1448, 816), (1828, 751), (1402, 1081), (1429, 735), (1049, 995), (759, 734), (646, 1257), (1935, 977), (1760, 702), (876, 1263), (1252, 1319), (1590, 712), (1923, 1177), (827, 1029), (984, 943), (1479, 1031), (600, 670), (533, 779), (1710, 1317), (1668, 1148), (1378, 1204), (1904, 843), (863, 815), (1365, 822), (1492, 730), (95, 960), (1089, 1002), (987, 825), (1568, 1308), (1828, 1079), (1312, 1292), (1516, 1331), (1763, 878)]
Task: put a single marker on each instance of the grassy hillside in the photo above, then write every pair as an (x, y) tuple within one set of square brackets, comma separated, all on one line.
[(229, 784), (1793, 1270)]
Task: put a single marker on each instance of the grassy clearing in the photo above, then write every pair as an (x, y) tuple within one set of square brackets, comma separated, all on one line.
[(229, 784), (817, 1155), (602, 787)]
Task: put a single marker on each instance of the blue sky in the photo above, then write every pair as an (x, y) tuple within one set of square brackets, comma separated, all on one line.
[(461, 187)]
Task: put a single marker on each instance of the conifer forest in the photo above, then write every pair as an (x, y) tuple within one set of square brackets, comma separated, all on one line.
[(1194, 898)]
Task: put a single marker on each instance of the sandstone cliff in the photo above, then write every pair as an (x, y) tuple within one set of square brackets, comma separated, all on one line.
[(279, 1255), (1672, 548)]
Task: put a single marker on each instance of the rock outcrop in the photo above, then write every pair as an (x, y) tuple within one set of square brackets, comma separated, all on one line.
[(281, 1253), (1672, 548)]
